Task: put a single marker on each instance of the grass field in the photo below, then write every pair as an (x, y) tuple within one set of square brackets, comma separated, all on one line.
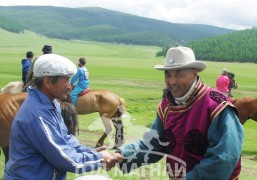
[(128, 71)]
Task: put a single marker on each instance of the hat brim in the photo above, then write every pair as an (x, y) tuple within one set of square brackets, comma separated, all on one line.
[(199, 65)]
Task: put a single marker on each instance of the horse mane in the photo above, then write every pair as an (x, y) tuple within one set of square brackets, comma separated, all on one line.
[(68, 99), (69, 114)]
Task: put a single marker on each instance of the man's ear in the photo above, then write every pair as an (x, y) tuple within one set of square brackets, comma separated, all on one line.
[(46, 82)]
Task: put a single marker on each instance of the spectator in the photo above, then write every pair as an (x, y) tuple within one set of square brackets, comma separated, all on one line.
[(26, 63), (232, 83), (47, 49)]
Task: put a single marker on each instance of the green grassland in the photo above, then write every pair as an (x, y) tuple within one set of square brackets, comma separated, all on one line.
[(128, 71)]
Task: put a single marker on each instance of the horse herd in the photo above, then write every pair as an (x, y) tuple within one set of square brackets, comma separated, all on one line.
[(109, 105)]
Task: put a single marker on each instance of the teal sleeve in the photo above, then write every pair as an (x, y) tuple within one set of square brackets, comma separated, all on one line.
[(225, 137), (75, 77), (145, 151)]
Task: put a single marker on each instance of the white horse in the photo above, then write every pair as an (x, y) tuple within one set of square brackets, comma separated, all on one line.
[(12, 87)]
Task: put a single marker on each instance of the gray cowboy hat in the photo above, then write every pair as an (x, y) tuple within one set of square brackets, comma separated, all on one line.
[(181, 58)]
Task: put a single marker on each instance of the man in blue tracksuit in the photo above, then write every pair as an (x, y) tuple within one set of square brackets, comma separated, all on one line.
[(40, 147), (82, 76), (26, 63)]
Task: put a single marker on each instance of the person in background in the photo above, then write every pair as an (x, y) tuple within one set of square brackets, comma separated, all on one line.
[(199, 124), (47, 49), (26, 63), (40, 146), (232, 83), (222, 82), (82, 76)]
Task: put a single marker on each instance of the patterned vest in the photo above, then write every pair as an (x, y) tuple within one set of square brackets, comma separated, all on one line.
[(186, 126)]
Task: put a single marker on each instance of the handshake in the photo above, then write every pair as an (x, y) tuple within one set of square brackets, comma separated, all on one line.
[(109, 158)]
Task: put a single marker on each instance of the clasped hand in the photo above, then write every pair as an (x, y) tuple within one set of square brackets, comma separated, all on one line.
[(109, 159)]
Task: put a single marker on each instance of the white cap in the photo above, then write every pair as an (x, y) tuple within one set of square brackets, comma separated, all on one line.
[(53, 65)]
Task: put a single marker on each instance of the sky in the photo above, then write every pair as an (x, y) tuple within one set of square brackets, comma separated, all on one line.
[(231, 14)]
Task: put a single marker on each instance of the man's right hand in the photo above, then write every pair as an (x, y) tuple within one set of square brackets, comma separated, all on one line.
[(110, 159)]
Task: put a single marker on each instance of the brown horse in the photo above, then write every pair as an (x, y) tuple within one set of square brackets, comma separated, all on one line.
[(247, 108), (110, 107), (8, 108)]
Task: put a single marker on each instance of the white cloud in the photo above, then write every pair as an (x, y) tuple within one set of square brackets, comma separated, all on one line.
[(235, 14)]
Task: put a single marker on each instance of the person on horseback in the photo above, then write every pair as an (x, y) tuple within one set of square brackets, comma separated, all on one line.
[(40, 146), (200, 124), (82, 76), (222, 82)]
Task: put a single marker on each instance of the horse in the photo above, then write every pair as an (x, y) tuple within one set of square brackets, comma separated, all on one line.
[(246, 107), (12, 87), (8, 109), (110, 106)]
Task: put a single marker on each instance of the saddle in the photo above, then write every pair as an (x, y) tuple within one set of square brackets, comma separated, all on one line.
[(85, 92)]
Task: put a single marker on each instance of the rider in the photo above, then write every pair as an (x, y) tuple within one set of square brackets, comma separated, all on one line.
[(82, 76), (222, 82)]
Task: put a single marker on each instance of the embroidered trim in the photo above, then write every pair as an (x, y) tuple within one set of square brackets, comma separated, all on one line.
[(217, 96), (170, 137), (195, 142)]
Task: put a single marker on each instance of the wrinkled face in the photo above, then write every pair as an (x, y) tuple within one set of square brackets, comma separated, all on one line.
[(59, 89), (180, 81)]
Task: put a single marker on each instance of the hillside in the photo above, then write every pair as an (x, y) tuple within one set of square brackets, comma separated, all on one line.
[(98, 24), (239, 46)]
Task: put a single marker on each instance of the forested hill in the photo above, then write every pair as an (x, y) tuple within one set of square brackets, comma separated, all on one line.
[(98, 24), (239, 46)]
